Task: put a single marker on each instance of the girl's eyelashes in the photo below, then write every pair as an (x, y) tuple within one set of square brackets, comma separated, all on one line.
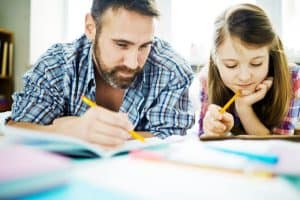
[(230, 66), (256, 64), (235, 65)]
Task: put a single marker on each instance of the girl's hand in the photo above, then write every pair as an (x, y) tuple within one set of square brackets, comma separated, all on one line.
[(248, 99), (215, 123)]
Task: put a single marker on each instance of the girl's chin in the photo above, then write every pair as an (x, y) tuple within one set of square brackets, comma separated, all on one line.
[(246, 92)]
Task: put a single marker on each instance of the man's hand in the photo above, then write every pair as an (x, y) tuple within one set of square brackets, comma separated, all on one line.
[(98, 126)]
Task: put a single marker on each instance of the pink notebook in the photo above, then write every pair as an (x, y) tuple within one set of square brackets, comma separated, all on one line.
[(25, 170)]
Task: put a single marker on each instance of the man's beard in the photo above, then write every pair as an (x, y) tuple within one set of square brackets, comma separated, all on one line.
[(112, 76)]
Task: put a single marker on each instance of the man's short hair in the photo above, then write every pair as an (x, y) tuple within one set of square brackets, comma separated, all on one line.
[(144, 7)]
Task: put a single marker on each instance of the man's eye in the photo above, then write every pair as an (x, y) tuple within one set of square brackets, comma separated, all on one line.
[(144, 47), (122, 45)]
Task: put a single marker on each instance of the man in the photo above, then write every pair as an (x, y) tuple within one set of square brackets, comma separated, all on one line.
[(137, 80)]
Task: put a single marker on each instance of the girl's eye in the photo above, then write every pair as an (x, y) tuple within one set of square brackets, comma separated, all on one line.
[(230, 66), (256, 64)]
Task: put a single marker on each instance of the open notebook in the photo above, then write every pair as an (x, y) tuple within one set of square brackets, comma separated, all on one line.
[(74, 147)]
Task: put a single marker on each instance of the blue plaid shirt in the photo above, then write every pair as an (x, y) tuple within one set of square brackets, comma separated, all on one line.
[(156, 101)]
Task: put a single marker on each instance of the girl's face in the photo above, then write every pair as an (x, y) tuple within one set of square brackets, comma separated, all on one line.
[(242, 67)]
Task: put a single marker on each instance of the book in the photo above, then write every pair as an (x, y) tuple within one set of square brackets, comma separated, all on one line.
[(1, 46), (73, 147), (27, 170), (10, 59), (295, 138), (4, 59)]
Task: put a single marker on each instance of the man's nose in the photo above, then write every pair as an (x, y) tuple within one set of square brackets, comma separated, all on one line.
[(131, 59)]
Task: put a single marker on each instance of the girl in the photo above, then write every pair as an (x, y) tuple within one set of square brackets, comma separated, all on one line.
[(248, 57)]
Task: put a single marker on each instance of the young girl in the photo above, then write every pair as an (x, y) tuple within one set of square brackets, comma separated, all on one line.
[(248, 57)]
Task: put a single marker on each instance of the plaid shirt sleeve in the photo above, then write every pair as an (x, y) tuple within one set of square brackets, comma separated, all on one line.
[(287, 126), (41, 101), (172, 115), (203, 98), (165, 108)]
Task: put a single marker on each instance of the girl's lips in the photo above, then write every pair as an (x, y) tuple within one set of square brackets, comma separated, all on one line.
[(244, 86)]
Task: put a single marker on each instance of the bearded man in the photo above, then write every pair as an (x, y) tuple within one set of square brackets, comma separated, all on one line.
[(137, 81)]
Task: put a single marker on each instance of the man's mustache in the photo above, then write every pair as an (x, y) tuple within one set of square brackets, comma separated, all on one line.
[(126, 69)]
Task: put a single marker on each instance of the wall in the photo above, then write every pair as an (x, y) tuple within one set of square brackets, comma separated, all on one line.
[(274, 11), (15, 16), (164, 28), (47, 25)]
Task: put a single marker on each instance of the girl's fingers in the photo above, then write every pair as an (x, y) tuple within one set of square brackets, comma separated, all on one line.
[(216, 123), (227, 117), (214, 112), (216, 126), (269, 82)]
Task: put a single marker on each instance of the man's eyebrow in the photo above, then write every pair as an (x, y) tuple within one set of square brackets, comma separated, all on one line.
[(131, 43), (147, 43), (123, 41)]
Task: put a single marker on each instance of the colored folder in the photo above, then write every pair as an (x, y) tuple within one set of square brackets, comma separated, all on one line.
[(26, 170)]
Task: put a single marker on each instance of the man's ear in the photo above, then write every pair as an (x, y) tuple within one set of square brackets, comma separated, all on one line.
[(90, 27)]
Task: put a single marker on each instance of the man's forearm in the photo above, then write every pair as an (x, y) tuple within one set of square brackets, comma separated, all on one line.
[(28, 125), (62, 125)]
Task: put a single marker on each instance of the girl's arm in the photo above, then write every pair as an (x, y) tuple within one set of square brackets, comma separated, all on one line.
[(251, 123), (243, 106)]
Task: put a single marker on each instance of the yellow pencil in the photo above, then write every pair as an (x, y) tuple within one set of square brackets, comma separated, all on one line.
[(229, 102), (134, 134), (88, 101)]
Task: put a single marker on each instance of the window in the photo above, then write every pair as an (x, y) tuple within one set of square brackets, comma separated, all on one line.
[(291, 28), (192, 25), (54, 21), (187, 24)]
